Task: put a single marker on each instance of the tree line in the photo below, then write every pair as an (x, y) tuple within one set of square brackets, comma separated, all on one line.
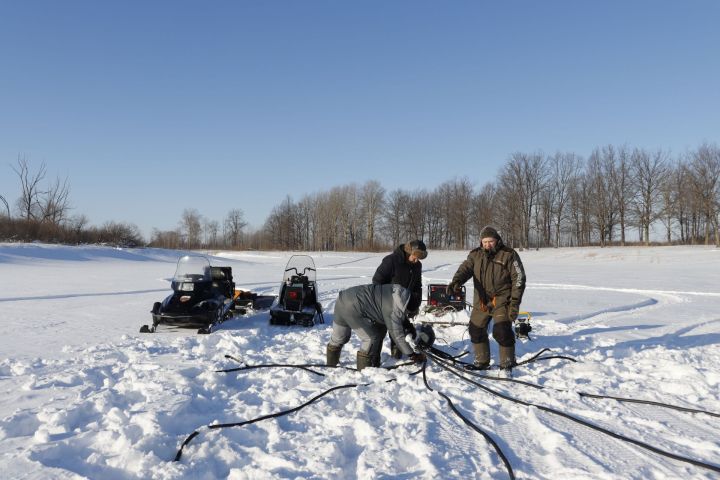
[(536, 200), (616, 196)]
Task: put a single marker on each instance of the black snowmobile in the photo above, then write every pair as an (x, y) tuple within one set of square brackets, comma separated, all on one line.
[(202, 298), (297, 302)]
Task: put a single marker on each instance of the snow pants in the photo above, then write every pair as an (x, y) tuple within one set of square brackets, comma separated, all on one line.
[(502, 326), (348, 318)]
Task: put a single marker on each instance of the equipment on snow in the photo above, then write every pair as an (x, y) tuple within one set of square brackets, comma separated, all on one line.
[(425, 337), (202, 297), (440, 301), (297, 303), (522, 326), (246, 300)]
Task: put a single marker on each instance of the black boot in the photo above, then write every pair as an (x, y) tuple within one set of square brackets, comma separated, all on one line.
[(482, 355), (364, 360), (332, 354), (507, 361), (395, 352)]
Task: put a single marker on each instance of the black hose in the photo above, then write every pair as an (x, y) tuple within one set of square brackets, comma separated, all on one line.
[(537, 357), (644, 445), (264, 417), (470, 424)]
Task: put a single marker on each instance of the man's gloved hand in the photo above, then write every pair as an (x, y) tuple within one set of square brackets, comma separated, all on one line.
[(513, 312), (409, 328), (418, 357), (452, 288)]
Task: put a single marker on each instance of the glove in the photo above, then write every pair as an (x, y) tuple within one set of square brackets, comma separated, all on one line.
[(452, 288), (412, 313), (513, 312), (409, 328), (418, 357)]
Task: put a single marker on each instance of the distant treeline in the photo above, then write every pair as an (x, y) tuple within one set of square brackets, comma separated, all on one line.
[(536, 200), (616, 196)]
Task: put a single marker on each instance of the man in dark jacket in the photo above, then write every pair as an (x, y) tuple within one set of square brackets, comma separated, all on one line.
[(403, 267), (499, 281), (370, 311)]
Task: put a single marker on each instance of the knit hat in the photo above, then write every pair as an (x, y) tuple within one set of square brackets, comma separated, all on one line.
[(488, 232), (417, 248)]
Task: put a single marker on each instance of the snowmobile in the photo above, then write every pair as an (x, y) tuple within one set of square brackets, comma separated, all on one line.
[(297, 302), (203, 297)]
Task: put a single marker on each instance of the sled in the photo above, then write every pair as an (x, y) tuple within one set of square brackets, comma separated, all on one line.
[(297, 302), (202, 298), (247, 302)]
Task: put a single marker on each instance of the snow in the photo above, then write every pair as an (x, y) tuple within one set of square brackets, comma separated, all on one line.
[(84, 395)]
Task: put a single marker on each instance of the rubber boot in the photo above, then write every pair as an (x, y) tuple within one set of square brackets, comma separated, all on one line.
[(507, 361), (363, 360), (482, 355), (376, 360), (333, 355), (395, 352)]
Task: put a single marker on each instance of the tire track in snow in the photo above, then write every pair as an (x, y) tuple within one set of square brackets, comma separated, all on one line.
[(656, 299), (77, 295)]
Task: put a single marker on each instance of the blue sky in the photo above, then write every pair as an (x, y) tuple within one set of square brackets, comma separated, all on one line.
[(153, 107)]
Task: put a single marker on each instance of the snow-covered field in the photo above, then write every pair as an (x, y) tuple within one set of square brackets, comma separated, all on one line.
[(84, 395)]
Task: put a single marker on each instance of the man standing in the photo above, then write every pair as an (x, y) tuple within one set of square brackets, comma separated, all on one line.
[(499, 281), (370, 311), (403, 267)]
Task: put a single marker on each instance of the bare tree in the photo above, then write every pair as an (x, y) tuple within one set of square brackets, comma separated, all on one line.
[(602, 207), (7, 206), (191, 225), (55, 203), (77, 224), (650, 170), (394, 213), (211, 228), (522, 180), (29, 201), (233, 227), (459, 203), (372, 200), (121, 234), (705, 168), (484, 210), (564, 172), (668, 212), (621, 185), (166, 239)]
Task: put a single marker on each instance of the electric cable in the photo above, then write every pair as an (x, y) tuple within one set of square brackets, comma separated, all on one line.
[(449, 368), (472, 425)]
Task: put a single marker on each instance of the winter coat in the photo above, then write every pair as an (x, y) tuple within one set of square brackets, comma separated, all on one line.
[(382, 304), (395, 268), (499, 278)]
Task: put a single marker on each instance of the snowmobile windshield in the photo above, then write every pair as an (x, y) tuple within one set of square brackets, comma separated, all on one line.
[(300, 265), (192, 269)]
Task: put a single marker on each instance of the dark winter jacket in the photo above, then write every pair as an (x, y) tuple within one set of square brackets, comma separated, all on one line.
[(395, 268), (383, 304), (499, 278)]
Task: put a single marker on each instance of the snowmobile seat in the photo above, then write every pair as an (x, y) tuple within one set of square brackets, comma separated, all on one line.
[(222, 280), (299, 279)]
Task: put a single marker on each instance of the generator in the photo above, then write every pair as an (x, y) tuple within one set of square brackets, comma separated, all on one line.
[(440, 302)]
